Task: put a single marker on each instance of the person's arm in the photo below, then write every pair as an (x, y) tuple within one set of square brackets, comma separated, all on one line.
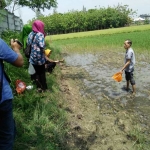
[(61, 60), (126, 64), (50, 60), (16, 47)]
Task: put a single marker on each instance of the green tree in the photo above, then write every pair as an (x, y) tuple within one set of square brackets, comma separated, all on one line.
[(39, 4), (33, 4), (2, 4), (38, 13), (93, 19)]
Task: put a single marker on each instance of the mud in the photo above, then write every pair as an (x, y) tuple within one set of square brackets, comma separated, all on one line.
[(117, 113)]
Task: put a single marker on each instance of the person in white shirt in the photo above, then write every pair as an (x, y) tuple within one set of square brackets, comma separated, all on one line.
[(129, 65)]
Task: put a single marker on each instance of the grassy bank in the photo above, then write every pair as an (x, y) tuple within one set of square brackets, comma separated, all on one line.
[(40, 118)]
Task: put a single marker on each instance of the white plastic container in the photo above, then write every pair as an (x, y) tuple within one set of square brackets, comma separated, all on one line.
[(29, 87)]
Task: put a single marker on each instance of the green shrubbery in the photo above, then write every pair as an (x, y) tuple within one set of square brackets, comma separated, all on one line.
[(7, 35)]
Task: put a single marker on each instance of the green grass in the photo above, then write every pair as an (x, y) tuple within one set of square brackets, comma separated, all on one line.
[(140, 41), (40, 121), (99, 32), (140, 141)]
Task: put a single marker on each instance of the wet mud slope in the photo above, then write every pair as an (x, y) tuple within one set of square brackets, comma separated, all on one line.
[(101, 114)]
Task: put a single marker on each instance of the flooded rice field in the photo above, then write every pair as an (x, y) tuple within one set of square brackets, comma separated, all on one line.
[(111, 96)]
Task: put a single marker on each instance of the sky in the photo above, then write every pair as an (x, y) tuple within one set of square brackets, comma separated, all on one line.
[(141, 6)]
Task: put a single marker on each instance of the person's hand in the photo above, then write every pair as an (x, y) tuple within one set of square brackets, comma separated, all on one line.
[(56, 61), (121, 71), (14, 45), (61, 60), (16, 40)]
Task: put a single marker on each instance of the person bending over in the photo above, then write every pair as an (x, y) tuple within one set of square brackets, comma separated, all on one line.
[(49, 63)]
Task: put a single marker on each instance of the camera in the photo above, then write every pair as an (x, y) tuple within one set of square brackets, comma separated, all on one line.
[(19, 43)]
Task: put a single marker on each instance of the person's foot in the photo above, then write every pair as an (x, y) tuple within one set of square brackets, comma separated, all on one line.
[(39, 90), (125, 88), (131, 95)]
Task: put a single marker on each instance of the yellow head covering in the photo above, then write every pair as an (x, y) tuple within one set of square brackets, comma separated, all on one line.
[(47, 52)]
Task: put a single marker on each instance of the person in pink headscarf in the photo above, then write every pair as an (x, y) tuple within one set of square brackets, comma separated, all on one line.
[(38, 26), (37, 57)]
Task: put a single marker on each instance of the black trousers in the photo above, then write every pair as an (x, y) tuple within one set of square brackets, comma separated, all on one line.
[(40, 76), (129, 77), (50, 66)]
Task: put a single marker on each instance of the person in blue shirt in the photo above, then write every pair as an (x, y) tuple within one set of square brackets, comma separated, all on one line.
[(7, 126)]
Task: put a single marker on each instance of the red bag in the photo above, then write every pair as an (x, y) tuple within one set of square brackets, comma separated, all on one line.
[(20, 86)]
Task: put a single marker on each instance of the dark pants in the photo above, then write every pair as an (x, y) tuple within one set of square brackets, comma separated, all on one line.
[(50, 66), (7, 126), (129, 77), (40, 76)]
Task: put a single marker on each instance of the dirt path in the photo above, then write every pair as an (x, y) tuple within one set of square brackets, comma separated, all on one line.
[(94, 125)]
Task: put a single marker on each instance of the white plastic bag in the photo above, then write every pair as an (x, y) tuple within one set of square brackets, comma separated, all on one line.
[(31, 69)]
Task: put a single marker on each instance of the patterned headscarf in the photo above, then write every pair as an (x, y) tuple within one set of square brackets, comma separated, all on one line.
[(38, 26)]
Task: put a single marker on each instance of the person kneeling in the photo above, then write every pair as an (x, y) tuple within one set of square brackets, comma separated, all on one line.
[(49, 63)]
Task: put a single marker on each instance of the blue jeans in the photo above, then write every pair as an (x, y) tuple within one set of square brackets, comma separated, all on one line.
[(7, 126)]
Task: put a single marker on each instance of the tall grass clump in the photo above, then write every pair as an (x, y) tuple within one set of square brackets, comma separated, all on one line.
[(7, 35), (140, 141), (40, 118)]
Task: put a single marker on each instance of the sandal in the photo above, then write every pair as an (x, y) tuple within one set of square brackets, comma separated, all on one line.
[(39, 90)]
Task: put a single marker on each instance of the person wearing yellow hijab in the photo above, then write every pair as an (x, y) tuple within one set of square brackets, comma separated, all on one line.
[(47, 52), (50, 64)]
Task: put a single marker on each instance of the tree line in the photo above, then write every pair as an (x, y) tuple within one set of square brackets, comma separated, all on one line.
[(12, 5), (93, 19)]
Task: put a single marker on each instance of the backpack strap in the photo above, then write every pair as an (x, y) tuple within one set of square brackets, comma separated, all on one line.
[(31, 42), (33, 37)]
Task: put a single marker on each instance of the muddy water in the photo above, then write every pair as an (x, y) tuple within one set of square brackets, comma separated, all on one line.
[(100, 67)]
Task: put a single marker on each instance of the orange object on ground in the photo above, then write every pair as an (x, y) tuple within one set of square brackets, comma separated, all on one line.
[(117, 77), (20, 86)]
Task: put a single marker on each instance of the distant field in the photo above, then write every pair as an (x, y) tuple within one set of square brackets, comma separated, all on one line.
[(104, 40), (99, 32)]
